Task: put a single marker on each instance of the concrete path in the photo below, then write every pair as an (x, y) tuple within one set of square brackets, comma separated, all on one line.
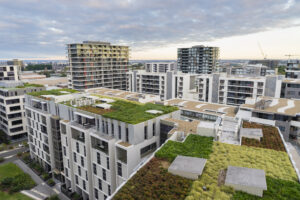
[(42, 190), (295, 155)]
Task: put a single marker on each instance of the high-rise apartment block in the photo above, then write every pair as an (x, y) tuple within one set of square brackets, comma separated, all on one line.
[(97, 64), (91, 141), (198, 59), (12, 113)]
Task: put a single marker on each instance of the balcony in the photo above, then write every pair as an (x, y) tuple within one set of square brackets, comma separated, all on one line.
[(100, 145), (122, 155), (77, 135)]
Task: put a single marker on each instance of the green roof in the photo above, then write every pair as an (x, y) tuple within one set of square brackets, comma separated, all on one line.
[(56, 92)]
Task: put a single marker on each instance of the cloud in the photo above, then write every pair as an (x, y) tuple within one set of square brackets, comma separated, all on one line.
[(44, 27)]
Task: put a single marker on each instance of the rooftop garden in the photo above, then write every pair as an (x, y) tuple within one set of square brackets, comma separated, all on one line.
[(26, 85), (154, 182), (194, 146), (282, 181), (270, 140), (12, 181), (56, 92), (276, 165), (134, 113)]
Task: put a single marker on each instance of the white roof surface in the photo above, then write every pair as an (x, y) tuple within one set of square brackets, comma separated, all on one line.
[(188, 164)]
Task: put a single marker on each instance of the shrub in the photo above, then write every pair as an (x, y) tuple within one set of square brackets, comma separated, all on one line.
[(194, 145), (1, 160), (17, 183), (19, 154), (51, 182), (53, 197), (45, 176), (154, 182), (11, 147), (6, 183)]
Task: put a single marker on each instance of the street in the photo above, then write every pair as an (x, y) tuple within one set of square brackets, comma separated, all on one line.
[(11, 154)]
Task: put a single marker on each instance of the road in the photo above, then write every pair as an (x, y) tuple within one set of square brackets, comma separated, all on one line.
[(11, 154)]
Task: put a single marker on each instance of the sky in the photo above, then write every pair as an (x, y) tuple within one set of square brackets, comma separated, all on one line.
[(154, 29)]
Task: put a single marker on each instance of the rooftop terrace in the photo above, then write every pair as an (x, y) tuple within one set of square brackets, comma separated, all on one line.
[(20, 85), (281, 178)]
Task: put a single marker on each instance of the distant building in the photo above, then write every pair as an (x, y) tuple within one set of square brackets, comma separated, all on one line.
[(198, 59), (12, 113), (9, 73), (97, 64), (166, 85), (269, 63), (161, 67), (293, 69), (248, 70)]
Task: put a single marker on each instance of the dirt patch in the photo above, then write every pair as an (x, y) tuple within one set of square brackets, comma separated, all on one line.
[(92, 109), (165, 164), (222, 177)]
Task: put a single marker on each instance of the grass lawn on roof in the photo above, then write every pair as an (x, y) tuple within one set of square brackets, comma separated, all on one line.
[(194, 146), (26, 85), (134, 113), (276, 165), (56, 92)]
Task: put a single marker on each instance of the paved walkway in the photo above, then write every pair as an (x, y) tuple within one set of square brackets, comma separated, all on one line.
[(42, 190)]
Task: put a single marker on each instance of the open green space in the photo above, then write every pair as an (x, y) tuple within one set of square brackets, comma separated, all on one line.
[(194, 146), (12, 181), (26, 85)]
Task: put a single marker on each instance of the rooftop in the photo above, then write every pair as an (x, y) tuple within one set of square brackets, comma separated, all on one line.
[(131, 112), (204, 107), (273, 105), (19, 85), (152, 181)]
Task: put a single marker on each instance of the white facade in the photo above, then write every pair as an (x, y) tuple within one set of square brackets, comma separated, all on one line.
[(12, 113), (98, 153), (161, 67), (9, 73), (166, 85)]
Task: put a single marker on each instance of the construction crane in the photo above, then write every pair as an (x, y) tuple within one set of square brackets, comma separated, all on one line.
[(261, 51), (289, 55)]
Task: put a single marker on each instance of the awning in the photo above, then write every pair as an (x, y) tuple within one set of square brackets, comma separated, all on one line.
[(84, 115)]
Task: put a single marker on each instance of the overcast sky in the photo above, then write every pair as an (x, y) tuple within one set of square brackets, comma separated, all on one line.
[(153, 29)]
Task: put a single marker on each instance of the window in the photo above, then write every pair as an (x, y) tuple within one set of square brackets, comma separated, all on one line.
[(119, 169), (67, 174), (120, 133), (107, 162), (75, 157), (109, 191), (112, 130), (147, 149), (79, 170), (153, 129), (65, 153), (96, 193), (98, 158), (105, 197), (99, 184), (84, 149), (76, 179), (127, 136), (86, 176), (282, 128), (145, 133), (94, 168), (66, 141), (83, 184), (104, 174), (82, 161), (68, 163), (77, 147)]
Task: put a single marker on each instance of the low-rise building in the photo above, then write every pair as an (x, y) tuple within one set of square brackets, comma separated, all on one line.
[(161, 67), (9, 73), (280, 112), (12, 113)]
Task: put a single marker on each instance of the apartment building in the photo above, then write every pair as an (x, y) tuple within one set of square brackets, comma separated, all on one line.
[(9, 73), (97, 64), (198, 59), (91, 148), (290, 89), (280, 112), (233, 90), (166, 85), (161, 67), (248, 70), (12, 113), (292, 70)]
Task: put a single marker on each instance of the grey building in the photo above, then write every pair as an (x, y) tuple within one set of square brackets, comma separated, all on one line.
[(198, 59), (97, 64)]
